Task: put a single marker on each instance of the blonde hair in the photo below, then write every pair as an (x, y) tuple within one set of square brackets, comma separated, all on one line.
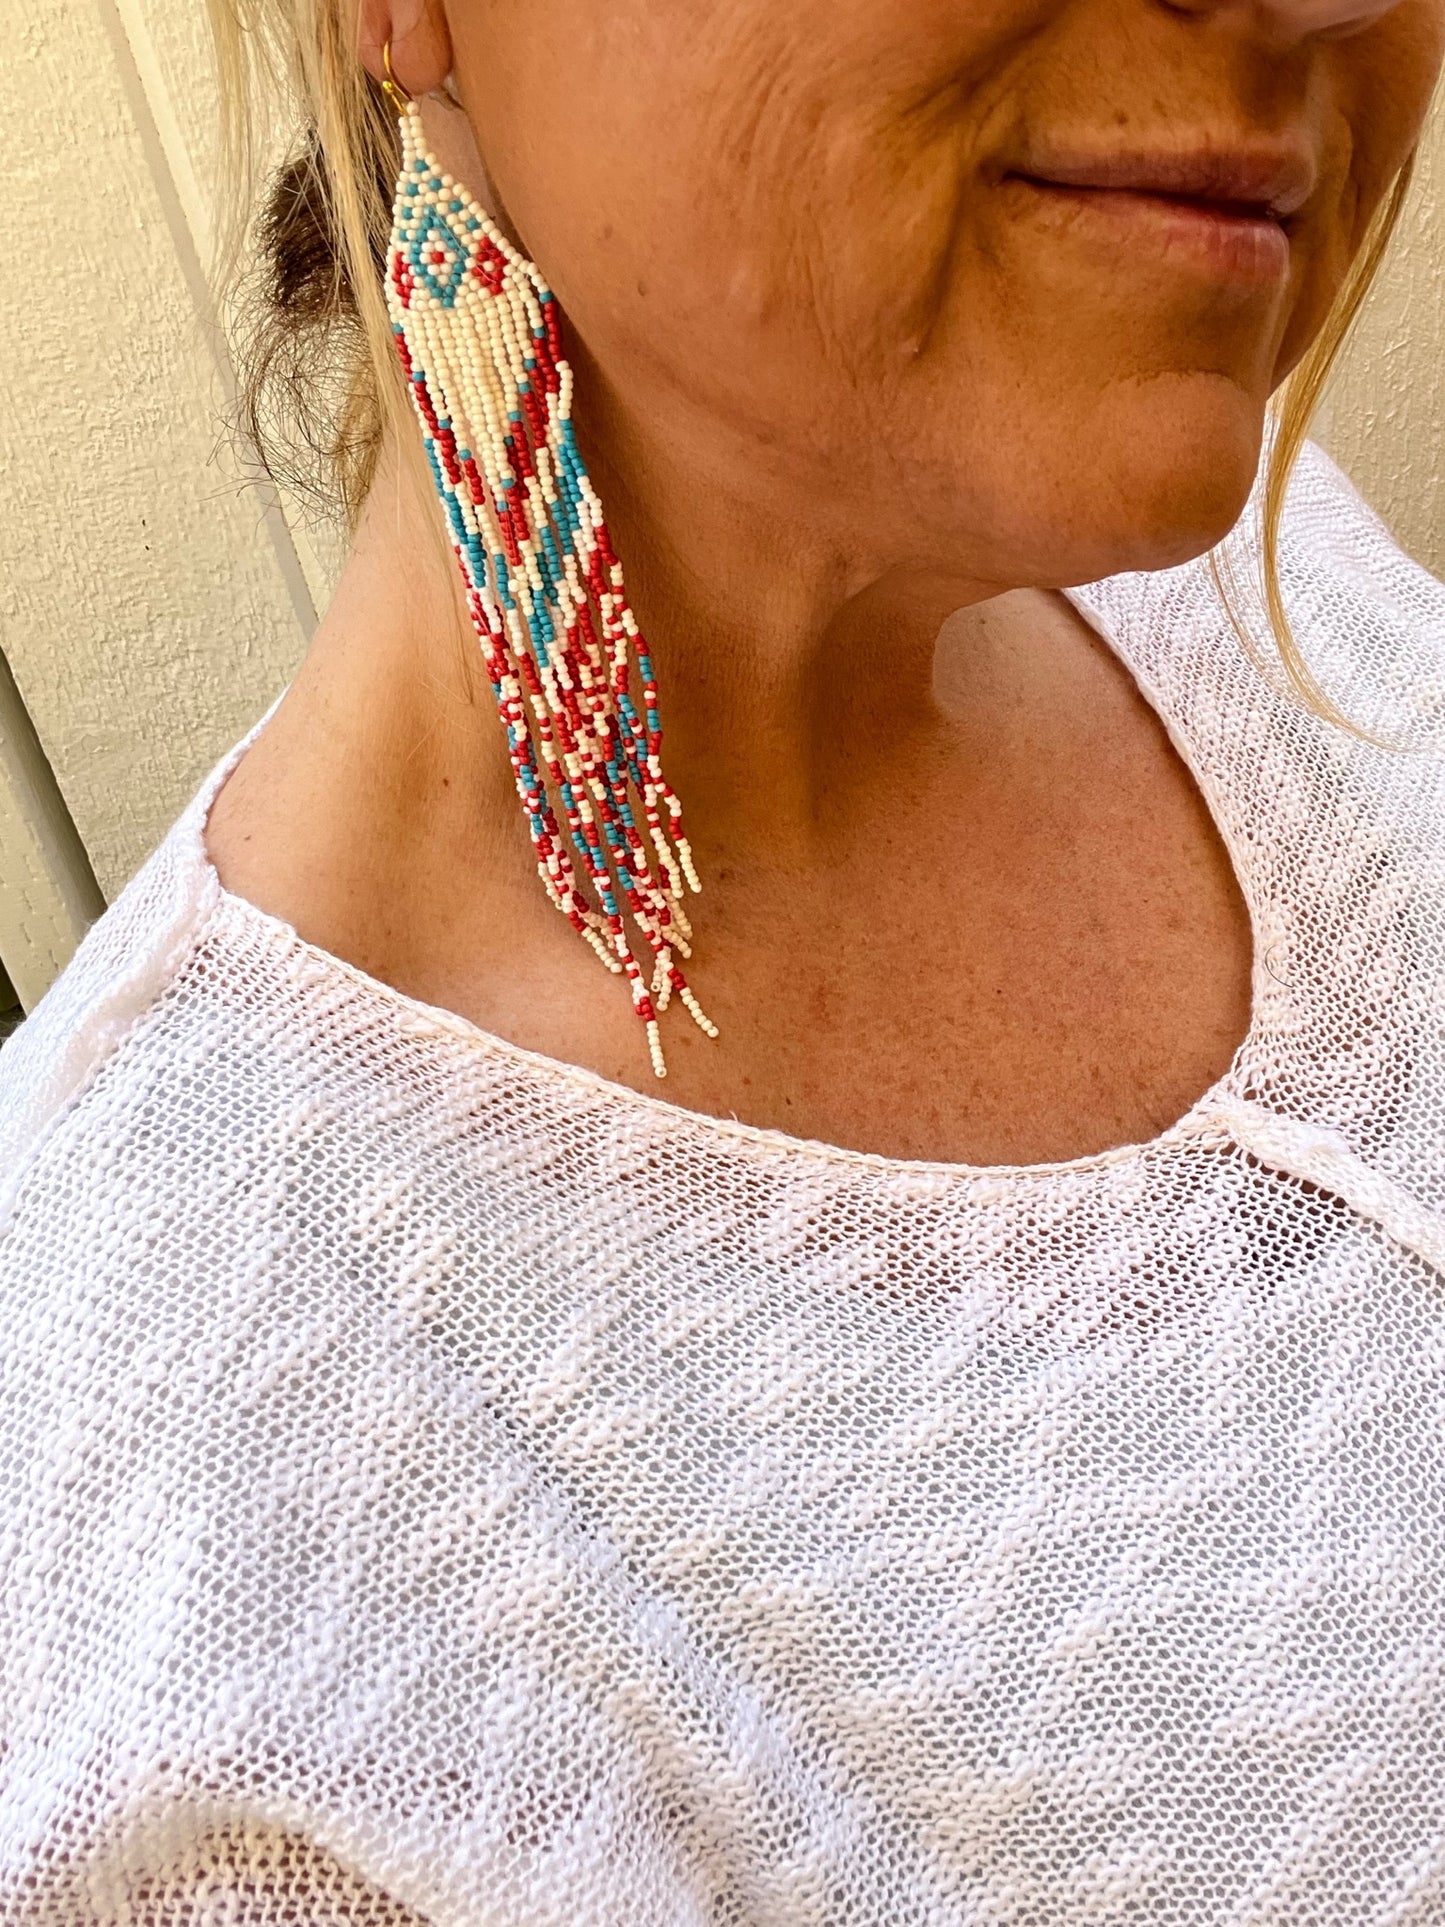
[(1293, 409), (322, 380)]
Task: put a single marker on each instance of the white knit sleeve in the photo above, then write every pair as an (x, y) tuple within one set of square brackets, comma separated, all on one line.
[(121, 967)]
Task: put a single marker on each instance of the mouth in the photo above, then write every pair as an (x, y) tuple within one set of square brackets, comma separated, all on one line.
[(1225, 214)]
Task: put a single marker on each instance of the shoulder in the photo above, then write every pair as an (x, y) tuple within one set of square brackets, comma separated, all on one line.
[(117, 975), (1327, 524), (117, 978), (1368, 619)]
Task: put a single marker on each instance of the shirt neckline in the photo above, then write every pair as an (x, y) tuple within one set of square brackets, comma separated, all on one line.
[(1204, 1119)]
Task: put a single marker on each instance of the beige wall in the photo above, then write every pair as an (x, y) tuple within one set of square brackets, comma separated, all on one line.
[(151, 604), (1384, 421)]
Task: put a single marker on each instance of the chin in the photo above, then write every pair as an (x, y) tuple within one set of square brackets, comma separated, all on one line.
[(1167, 485)]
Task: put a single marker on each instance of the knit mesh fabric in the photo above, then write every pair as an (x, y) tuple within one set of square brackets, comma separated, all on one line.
[(439, 1488)]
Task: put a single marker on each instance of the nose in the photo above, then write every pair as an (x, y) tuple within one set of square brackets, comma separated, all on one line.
[(1294, 19)]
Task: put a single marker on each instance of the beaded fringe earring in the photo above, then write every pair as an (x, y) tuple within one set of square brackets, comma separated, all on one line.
[(478, 334)]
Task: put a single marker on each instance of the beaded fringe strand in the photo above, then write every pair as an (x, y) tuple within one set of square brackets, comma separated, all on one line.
[(479, 337)]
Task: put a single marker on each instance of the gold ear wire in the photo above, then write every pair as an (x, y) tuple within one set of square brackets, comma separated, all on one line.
[(398, 96)]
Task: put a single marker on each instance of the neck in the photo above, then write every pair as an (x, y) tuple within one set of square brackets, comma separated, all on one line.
[(775, 632), (794, 666)]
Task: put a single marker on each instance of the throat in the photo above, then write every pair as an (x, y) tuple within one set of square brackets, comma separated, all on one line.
[(1012, 935), (1033, 949)]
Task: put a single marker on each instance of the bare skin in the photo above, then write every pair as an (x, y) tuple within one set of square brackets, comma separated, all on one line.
[(844, 533)]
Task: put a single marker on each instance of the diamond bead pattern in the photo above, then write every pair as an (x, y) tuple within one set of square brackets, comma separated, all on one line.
[(479, 337)]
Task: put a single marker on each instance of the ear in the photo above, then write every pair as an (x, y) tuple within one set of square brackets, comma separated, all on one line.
[(421, 42)]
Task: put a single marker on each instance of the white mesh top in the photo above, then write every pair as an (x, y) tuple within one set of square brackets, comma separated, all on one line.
[(437, 1485)]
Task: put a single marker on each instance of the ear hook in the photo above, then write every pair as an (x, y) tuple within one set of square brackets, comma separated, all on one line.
[(398, 96)]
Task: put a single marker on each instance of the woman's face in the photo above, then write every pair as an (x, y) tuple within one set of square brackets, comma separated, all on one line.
[(998, 284)]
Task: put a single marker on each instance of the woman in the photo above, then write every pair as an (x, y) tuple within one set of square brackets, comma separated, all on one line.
[(977, 1451)]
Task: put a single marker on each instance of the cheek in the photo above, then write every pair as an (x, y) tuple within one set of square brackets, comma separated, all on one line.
[(789, 223), (772, 211), (1380, 83), (1375, 91)]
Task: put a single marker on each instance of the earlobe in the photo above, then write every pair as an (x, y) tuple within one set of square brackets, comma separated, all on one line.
[(419, 38)]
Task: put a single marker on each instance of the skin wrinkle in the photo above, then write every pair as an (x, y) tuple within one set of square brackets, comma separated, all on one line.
[(918, 339), (858, 398), (787, 138), (973, 87)]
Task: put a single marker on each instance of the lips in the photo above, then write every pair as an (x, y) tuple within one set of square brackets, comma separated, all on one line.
[(1259, 183), (1223, 212)]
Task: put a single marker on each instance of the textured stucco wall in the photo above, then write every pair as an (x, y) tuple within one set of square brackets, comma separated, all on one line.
[(150, 605), (1385, 418)]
